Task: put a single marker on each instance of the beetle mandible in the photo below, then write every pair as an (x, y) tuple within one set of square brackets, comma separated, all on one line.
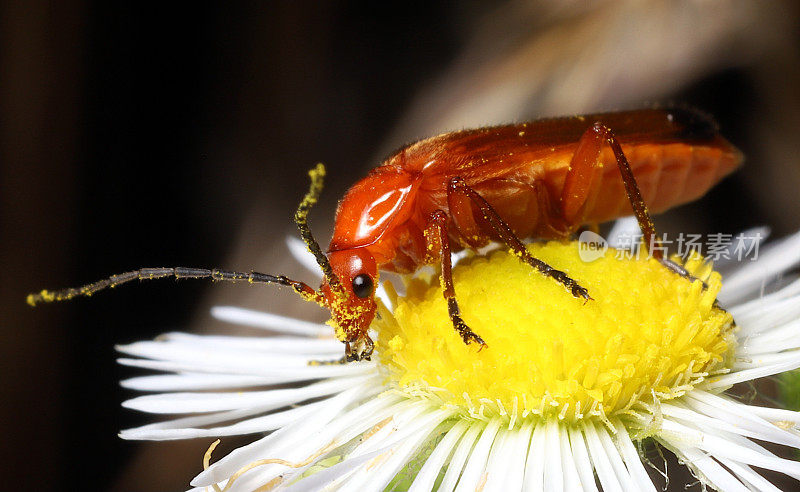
[(542, 179)]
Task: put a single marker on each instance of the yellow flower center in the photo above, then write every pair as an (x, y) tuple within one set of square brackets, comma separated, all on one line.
[(647, 335)]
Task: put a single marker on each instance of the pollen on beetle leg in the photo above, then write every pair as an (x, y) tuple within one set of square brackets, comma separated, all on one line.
[(649, 335)]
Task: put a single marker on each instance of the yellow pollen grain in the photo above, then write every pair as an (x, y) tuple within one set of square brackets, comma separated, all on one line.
[(646, 332), (343, 313)]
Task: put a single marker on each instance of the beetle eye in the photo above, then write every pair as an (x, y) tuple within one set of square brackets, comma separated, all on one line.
[(362, 286)]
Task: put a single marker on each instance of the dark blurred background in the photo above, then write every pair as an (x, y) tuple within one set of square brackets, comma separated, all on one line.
[(137, 134)]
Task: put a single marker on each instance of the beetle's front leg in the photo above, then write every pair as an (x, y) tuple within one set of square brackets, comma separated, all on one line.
[(361, 349), (437, 241)]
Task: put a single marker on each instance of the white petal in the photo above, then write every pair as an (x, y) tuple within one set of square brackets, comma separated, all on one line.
[(572, 479), (615, 458), (779, 339), (602, 461), (275, 375), (308, 448), (459, 458), (752, 310), (727, 380), (499, 458), (745, 443), (725, 448), (340, 431), (623, 231), (210, 356), (534, 466), (185, 428), (553, 474), (405, 427), (299, 250), (219, 356), (194, 381), (320, 479), (763, 319), (380, 293), (269, 321), (748, 444), (476, 466), (747, 474), (728, 417), (295, 442), (261, 344), (408, 416), (521, 440), (773, 260), (764, 360), (775, 414), (581, 458), (719, 477), (632, 459), (214, 402), (429, 472), (377, 477)]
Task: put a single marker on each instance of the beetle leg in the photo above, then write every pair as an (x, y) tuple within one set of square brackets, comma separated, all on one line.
[(580, 189), (437, 238), (360, 350), (460, 211), (490, 216), (581, 184)]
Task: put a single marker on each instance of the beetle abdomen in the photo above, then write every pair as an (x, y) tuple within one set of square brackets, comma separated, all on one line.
[(667, 174)]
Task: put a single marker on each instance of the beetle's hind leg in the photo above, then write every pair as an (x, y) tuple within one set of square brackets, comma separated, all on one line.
[(492, 219), (582, 185), (437, 240)]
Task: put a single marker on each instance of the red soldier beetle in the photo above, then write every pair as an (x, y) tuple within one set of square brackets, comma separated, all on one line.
[(542, 179)]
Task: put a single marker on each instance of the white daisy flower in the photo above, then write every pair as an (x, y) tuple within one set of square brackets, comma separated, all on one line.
[(559, 400)]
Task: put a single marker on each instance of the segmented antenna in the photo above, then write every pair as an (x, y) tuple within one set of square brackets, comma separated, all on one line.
[(178, 272), (317, 176)]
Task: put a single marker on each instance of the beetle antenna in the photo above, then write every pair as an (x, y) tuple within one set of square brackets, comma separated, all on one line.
[(317, 176), (215, 274), (301, 219)]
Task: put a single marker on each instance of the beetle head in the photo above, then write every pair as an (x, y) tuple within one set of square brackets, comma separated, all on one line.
[(352, 305), (349, 279)]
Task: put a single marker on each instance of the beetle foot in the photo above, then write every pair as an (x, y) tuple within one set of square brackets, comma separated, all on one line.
[(467, 334), (677, 268), (582, 293), (360, 350), (575, 289)]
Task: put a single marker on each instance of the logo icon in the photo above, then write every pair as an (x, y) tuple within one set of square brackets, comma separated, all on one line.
[(591, 246)]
